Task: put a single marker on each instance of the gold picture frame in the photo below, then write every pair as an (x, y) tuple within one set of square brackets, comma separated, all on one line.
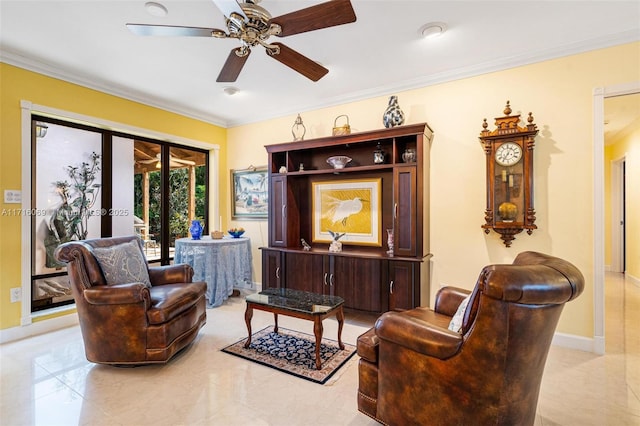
[(350, 206)]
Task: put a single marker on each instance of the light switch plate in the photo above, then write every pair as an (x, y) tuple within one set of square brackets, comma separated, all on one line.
[(12, 196)]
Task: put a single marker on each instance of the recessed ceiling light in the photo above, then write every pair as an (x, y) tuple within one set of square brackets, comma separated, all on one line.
[(432, 29), (230, 90), (155, 9)]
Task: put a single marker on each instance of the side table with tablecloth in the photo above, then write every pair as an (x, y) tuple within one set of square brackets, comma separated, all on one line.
[(223, 264)]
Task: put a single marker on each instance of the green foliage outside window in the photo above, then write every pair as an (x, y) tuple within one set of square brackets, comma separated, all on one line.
[(179, 221)]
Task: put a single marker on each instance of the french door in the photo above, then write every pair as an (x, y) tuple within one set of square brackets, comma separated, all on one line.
[(89, 182)]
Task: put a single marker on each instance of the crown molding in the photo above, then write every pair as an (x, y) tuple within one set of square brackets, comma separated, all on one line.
[(90, 82), (71, 76)]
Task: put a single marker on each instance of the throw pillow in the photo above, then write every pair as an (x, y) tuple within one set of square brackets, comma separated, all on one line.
[(123, 263), (456, 320)]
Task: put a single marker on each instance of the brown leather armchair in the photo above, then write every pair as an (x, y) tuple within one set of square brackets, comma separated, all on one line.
[(132, 323), (413, 370)]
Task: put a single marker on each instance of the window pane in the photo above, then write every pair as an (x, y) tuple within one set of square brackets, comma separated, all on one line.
[(147, 195), (187, 194), (66, 204), (122, 198)]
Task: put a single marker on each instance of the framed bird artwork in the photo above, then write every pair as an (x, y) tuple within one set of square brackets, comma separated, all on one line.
[(350, 207)]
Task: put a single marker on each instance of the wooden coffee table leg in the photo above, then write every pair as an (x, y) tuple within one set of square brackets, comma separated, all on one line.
[(275, 320), (340, 318), (248, 314), (317, 330)]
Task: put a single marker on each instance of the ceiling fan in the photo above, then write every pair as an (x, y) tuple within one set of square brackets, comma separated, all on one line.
[(173, 161), (253, 25)]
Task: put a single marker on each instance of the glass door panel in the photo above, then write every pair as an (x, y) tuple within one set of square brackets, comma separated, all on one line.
[(187, 192), (147, 195), (66, 204)]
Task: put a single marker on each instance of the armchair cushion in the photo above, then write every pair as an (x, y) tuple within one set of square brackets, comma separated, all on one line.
[(123, 263), (116, 294), (420, 330), (456, 320)]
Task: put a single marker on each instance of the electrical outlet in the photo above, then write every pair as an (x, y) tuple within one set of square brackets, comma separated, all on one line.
[(16, 294), (13, 196)]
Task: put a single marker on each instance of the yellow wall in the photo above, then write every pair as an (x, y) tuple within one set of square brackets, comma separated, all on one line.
[(627, 146), (17, 84), (560, 95), (558, 92)]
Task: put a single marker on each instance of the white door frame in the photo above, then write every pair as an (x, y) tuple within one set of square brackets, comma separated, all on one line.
[(599, 94), (617, 209)]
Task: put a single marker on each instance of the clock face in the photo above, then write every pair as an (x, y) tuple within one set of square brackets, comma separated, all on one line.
[(508, 154)]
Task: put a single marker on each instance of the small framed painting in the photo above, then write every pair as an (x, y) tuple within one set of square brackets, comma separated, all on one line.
[(351, 207), (249, 193)]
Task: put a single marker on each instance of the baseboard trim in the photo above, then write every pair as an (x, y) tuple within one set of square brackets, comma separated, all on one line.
[(634, 280), (39, 327), (571, 341)]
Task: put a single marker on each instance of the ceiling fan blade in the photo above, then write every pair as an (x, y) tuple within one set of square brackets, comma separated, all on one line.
[(298, 62), (171, 30), (227, 7), (323, 15), (181, 161), (232, 66)]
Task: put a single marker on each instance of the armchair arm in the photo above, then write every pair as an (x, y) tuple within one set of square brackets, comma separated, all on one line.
[(418, 335), (119, 294), (448, 299), (171, 274)]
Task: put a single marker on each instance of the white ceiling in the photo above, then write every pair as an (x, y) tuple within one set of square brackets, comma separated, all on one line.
[(86, 42)]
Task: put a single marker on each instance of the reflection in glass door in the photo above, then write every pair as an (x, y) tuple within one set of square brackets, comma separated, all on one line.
[(66, 204)]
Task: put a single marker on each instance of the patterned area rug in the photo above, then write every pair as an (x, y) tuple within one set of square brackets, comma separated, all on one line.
[(294, 353)]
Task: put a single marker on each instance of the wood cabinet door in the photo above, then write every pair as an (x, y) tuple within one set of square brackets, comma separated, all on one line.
[(405, 212), (305, 272), (277, 211), (357, 281), (403, 285), (271, 269)]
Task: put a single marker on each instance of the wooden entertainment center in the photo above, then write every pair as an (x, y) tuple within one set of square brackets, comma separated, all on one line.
[(365, 276)]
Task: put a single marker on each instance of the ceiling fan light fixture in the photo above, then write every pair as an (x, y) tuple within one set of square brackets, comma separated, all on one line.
[(432, 29), (230, 90), (156, 9)]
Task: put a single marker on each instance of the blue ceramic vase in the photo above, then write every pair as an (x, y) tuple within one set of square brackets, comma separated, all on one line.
[(195, 229)]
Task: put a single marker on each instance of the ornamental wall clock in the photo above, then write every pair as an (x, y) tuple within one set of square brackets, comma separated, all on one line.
[(509, 159)]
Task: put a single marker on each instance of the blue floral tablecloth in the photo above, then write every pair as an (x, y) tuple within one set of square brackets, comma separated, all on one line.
[(223, 264)]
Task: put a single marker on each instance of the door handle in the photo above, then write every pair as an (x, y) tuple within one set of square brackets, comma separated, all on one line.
[(278, 272), (391, 287), (324, 280), (331, 281)]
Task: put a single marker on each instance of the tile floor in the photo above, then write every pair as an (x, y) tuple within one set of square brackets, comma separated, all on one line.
[(46, 379)]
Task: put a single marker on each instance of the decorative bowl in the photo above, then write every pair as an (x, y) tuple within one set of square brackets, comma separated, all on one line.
[(339, 161), (236, 232)]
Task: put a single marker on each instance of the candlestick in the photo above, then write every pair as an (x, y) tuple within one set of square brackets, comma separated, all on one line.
[(220, 228)]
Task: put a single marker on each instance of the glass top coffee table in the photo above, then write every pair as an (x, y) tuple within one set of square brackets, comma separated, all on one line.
[(299, 304)]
